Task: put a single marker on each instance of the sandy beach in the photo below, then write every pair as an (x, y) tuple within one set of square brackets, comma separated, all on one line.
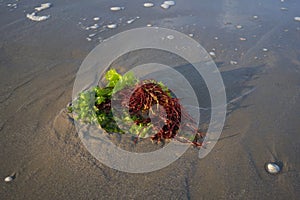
[(256, 46)]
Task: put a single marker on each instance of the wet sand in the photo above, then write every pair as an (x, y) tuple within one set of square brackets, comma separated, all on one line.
[(38, 65)]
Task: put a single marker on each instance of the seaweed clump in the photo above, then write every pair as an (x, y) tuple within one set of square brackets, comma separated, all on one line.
[(150, 110)]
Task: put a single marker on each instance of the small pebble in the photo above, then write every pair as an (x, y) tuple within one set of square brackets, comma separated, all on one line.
[(88, 39), (255, 17), (149, 25), (243, 39), (265, 49), (96, 18), (191, 35), (216, 38)]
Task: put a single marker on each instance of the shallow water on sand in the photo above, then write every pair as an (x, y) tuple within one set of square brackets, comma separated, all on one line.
[(38, 65)]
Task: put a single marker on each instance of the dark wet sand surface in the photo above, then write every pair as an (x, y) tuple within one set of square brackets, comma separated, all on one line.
[(38, 65)]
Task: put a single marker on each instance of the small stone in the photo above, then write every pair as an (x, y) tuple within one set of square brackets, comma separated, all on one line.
[(96, 18), (243, 39), (216, 38), (255, 17), (191, 35), (265, 49), (149, 25)]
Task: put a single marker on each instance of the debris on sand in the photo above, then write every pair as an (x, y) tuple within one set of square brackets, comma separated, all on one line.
[(265, 49), (116, 8), (43, 7), (148, 5), (243, 39), (255, 17), (36, 18), (96, 18)]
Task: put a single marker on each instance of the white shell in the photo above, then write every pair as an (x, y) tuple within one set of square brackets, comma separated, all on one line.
[(272, 168), (243, 39), (112, 26), (255, 17), (297, 19), (148, 5), (149, 25), (8, 179), (165, 6), (170, 3), (265, 49), (116, 8), (96, 18)]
